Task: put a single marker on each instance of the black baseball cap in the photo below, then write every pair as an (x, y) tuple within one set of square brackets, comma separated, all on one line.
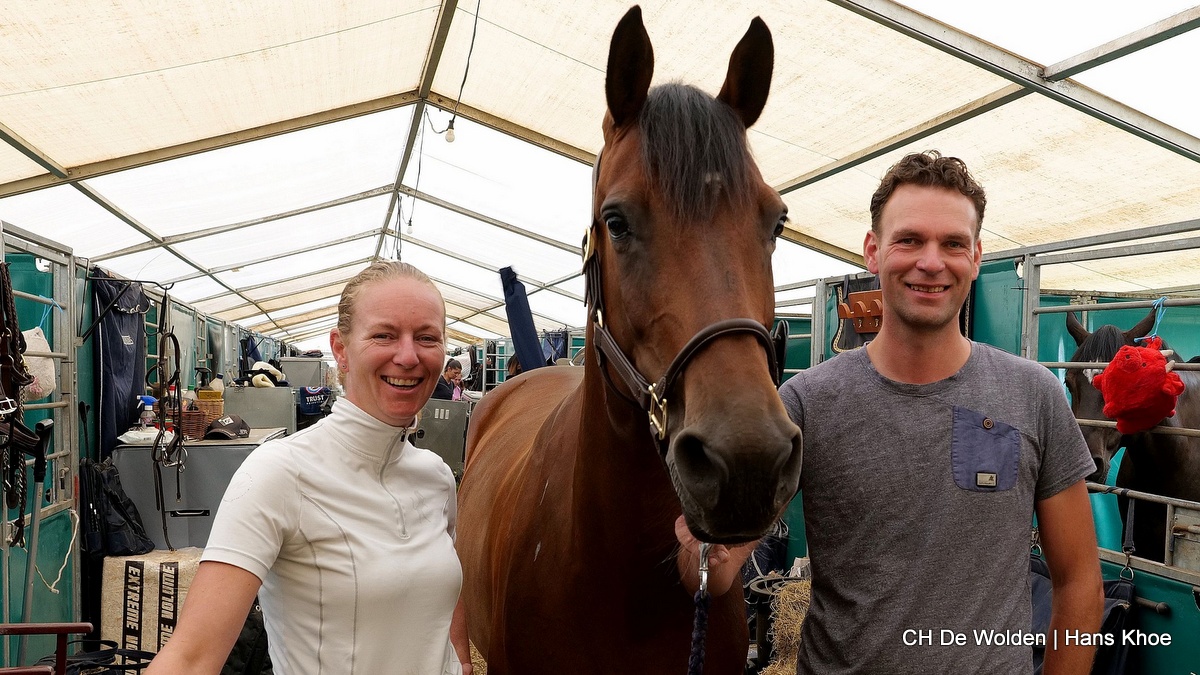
[(227, 427)]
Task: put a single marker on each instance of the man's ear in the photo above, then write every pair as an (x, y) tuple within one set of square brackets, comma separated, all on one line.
[(871, 252)]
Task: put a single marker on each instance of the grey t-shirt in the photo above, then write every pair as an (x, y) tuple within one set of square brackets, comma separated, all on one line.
[(918, 501)]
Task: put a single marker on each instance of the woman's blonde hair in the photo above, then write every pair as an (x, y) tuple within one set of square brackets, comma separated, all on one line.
[(380, 270)]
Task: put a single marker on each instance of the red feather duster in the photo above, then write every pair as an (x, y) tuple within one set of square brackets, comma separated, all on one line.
[(1139, 391)]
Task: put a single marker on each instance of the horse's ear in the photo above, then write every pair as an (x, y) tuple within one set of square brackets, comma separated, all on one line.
[(1076, 329), (630, 68), (748, 80), (1143, 327)]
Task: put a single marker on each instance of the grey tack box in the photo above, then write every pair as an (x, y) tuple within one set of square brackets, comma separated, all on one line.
[(207, 471), (263, 407), (443, 429), (303, 371)]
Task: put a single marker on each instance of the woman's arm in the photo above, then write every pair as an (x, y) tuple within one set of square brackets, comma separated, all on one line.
[(213, 614), (458, 637)]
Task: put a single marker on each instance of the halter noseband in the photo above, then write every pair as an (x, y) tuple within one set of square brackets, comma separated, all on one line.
[(652, 398)]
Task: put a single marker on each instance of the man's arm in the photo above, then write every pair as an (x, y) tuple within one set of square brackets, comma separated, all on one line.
[(1069, 543)]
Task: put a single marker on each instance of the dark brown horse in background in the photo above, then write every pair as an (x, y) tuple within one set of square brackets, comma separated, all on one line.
[(1156, 463), (568, 501)]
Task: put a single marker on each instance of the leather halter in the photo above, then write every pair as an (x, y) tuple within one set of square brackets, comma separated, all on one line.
[(652, 398)]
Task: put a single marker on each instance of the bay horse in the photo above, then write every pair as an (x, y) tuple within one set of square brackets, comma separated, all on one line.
[(1157, 463), (569, 496)]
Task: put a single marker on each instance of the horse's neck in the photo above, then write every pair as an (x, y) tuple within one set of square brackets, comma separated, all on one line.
[(1168, 464), (620, 486)]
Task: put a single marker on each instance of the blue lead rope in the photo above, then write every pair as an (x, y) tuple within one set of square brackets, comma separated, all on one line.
[(700, 624), (1160, 309)]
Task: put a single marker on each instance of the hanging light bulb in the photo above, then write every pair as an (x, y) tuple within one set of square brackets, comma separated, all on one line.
[(409, 230), (450, 131)]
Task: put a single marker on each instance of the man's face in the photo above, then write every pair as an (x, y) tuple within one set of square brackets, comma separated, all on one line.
[(926, 255)]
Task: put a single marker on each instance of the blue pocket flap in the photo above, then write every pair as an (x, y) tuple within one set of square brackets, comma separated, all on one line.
[(984, 453)]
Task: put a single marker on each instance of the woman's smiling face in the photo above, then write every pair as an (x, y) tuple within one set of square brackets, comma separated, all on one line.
[(392, 356)]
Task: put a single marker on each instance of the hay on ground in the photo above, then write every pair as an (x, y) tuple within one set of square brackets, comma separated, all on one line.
[(788, 608)]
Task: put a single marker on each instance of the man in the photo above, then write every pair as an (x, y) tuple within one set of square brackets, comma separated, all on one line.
[(451, 378), (926, 455)]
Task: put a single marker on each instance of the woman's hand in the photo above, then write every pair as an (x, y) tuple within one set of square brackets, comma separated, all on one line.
[(724, 562)]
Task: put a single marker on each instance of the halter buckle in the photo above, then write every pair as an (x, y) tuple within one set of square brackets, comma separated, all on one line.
[(589, 244), (658, 413)]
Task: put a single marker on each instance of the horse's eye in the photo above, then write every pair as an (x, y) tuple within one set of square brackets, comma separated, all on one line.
[(779, 226), (617, 226)]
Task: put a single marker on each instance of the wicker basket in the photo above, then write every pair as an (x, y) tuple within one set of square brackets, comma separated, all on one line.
[(193, 424), (212, 409)]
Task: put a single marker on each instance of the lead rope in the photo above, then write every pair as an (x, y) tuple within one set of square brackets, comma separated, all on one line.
[(700, 623)]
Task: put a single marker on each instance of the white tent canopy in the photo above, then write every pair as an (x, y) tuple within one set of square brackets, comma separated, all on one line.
[(258, 154)]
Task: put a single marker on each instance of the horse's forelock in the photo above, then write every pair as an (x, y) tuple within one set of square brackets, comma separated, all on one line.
[(690, 141), (1101, 345)]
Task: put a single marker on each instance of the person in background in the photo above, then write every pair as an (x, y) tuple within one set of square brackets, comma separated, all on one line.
[(344, 530), (514, 367), (450, 382), (926, 456)]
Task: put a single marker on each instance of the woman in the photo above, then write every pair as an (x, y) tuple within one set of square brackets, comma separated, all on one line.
[(344, 530)]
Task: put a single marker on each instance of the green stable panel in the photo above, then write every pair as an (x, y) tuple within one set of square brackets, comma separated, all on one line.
[(1182, 623), (54, 540), (996, 313), (798, 357)]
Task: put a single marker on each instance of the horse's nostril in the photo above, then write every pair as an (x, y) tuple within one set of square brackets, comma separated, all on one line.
[(694, 460)]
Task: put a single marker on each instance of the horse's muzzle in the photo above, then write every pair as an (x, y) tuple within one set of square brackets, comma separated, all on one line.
[(734, 481)]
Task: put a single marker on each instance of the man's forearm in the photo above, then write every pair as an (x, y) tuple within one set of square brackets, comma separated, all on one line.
[(1077, 606)]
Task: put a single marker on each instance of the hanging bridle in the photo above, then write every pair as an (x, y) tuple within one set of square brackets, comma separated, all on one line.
[(652, 398)]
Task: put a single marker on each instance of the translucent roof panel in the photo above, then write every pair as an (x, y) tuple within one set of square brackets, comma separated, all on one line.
[(1126, 79), (441, 267), (65, 215), (1050, 173), (794, 263), (287, 234), (150, 82), (504, 178), (462, 298), (554, 307), (333, 277), (14, 165), (1063, 28), (284, 266), (439, 228), (153, 265), (1125, 274), (265, 177)]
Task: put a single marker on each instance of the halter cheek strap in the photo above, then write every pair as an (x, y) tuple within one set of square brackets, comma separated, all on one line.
[(652, 398)]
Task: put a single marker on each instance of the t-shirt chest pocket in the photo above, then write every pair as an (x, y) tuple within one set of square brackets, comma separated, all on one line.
[(984, 453)]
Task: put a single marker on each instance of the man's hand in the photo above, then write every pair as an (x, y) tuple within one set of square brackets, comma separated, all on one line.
[(724, 562)]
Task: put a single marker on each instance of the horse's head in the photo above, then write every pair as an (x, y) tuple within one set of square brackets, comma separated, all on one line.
[(1086, 400), (683, 231)]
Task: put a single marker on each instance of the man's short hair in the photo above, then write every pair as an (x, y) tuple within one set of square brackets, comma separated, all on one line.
[(452, 364), (929, 169)]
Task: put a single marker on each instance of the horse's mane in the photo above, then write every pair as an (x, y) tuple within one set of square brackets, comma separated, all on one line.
[(690, 139)]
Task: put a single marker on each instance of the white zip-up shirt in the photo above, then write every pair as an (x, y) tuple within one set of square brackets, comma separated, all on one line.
[(351, 530)]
